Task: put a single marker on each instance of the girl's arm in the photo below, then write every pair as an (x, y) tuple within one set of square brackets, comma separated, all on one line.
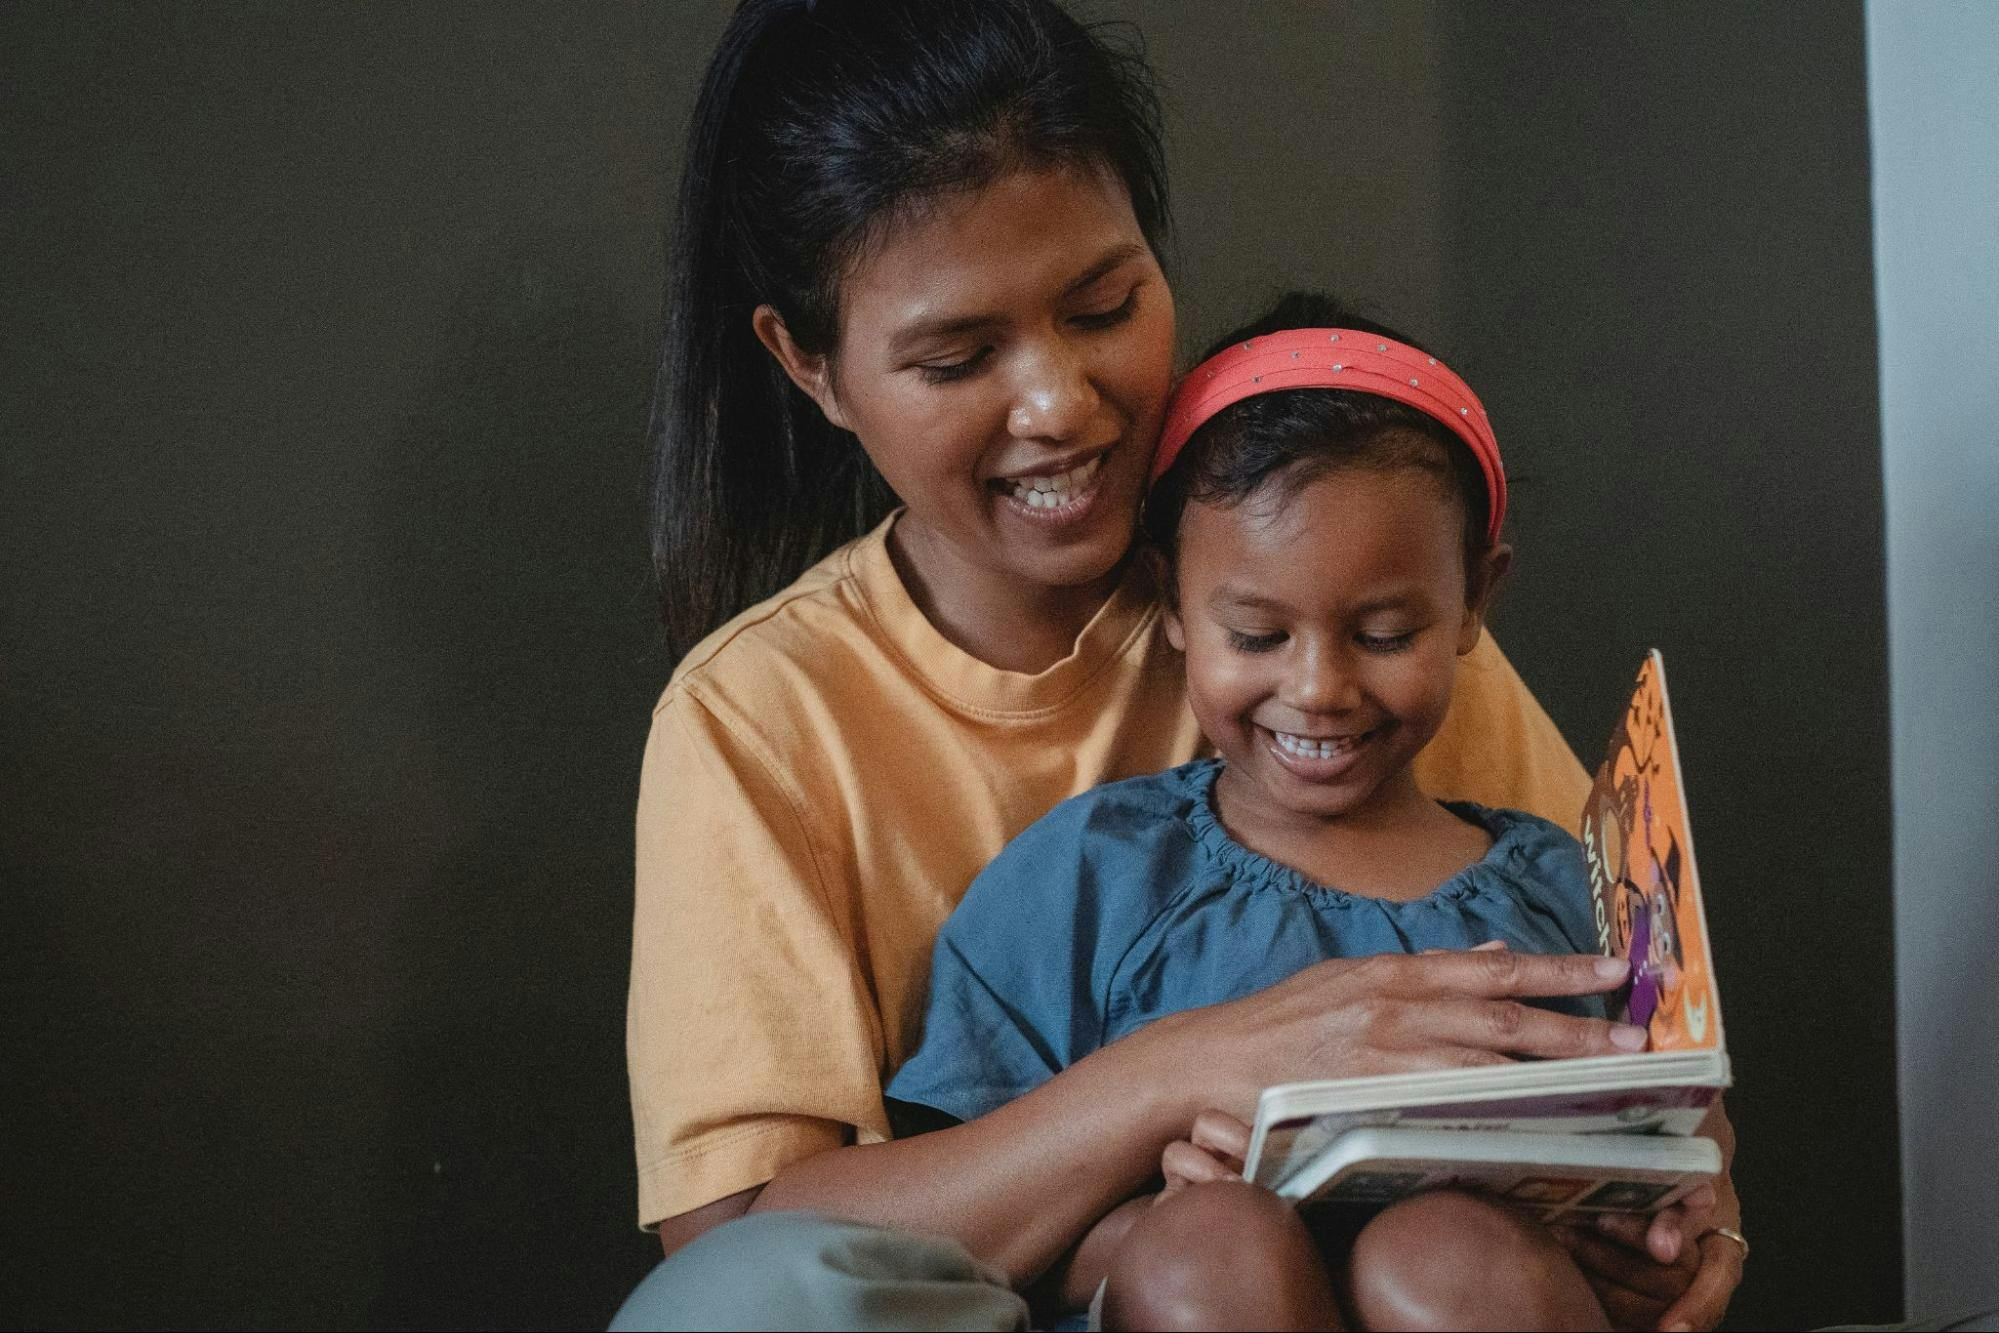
[(1022, 1185)]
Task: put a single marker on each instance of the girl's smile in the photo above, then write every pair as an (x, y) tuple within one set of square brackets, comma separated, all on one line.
[(1320, 759), (1322, 621)]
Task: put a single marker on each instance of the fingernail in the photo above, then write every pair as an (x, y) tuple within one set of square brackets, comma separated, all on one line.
[(1612, 969), (1680, 1327), (1627, 1038)]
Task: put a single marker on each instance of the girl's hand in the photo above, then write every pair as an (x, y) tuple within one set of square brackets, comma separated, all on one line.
[(1392, 1013), (1212, 1151)]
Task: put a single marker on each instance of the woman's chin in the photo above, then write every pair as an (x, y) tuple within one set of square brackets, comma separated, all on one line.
[(1066, 549)]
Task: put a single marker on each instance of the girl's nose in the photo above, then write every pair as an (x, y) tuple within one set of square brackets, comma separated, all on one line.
[(1053, 398), (1319, 681)]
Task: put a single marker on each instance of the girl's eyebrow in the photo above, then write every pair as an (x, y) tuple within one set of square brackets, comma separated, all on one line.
[(952, 326), (1230, 595)]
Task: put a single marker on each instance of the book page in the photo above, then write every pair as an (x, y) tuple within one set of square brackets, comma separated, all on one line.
[(1640, 850)]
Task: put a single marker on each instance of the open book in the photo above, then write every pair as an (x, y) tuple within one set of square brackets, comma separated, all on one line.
[(1602, 1134)]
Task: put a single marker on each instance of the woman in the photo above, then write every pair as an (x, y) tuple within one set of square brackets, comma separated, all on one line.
[(918, 261)]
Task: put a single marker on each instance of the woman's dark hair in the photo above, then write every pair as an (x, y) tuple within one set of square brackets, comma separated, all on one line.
[(818, 124), (1293, 437)]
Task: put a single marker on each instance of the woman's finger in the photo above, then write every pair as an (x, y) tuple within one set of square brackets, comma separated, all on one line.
[(1503, 974), (1624, 1310), (1660, 1283), (1627, 1229), (1188, 1165), (1511, 1028), (1221, 1135), (1706, 1300), (1666, 1237), (1670, 1227)]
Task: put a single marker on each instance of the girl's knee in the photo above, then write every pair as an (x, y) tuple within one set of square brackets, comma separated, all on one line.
[(1225, 1255), (1452, 1260)]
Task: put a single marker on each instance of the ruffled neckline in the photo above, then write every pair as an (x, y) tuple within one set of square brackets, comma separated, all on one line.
[(1511, 833)]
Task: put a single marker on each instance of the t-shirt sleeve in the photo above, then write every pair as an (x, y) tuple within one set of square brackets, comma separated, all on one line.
[(1014, 973), (751, 1039), (1499, 747)]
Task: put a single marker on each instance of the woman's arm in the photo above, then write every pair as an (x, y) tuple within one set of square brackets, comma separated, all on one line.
[(1020, 1186), (675, 1232)]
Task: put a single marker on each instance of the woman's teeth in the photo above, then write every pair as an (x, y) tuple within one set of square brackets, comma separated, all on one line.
[(1054, 492), (1306, 748)]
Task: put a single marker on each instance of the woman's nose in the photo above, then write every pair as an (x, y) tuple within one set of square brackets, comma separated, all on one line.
[(1053, 397)]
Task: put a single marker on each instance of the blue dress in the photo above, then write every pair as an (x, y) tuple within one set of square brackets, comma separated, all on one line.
[(1131, 902)]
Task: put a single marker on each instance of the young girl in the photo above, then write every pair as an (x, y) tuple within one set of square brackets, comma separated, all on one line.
[(918, 351), (1328, 503)]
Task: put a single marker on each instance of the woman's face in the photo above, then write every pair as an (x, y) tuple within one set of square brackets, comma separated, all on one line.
[(1004, 356)]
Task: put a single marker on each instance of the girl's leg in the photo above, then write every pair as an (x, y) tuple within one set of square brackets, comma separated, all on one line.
[(801, 1270), (1450, 1260), (1219, 1256)]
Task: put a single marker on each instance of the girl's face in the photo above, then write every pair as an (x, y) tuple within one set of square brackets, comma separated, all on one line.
[(1322, 632), (1004, 357)]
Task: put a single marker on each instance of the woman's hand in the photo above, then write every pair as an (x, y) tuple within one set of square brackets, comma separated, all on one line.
[(1390, 1014), (1213, 1150), (1648, 1278), (1670, 1271)]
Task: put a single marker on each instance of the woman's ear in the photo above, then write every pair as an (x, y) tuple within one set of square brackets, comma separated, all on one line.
[(812, 374), (1176, 633), (1486, 578)]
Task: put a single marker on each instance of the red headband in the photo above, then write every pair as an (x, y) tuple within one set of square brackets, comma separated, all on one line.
[(1335, 359)]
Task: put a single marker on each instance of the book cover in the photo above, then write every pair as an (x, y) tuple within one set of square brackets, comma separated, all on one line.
[(1638, 846), (1640, 850)]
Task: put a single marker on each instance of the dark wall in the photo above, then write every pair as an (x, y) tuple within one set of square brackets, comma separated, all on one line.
[(328, 653), (325, 638), (1658, 256)]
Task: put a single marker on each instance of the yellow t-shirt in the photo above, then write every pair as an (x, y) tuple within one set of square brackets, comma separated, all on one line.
[(825, 775)]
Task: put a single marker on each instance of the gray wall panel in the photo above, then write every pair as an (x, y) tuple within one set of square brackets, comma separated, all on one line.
[(1931, 71)]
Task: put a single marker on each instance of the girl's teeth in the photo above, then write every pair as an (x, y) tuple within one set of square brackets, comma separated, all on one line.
[(1306, 748), (1054, 492)]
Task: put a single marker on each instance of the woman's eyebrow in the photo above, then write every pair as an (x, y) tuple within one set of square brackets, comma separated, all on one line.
[(949, 326), (1121, 253)]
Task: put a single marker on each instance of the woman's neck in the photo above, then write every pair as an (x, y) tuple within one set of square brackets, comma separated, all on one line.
[(1003, 620)]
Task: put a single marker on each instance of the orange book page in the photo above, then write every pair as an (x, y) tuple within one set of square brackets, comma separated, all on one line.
[(1647, 897)]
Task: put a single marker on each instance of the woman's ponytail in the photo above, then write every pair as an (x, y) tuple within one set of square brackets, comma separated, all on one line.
[(750, 483), (813, 121)]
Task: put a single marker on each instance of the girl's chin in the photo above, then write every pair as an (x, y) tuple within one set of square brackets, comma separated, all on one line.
[(1305, 790)]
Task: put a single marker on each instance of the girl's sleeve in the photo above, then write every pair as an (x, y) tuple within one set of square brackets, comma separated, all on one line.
[(751, 1039), (1499, 747), (1014, 975)]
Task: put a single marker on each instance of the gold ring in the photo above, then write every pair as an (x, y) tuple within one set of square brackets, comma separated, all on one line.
[(1732, 1234)]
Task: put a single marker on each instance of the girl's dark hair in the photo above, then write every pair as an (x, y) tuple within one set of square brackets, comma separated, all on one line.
[(818, 124), (1293, 437)]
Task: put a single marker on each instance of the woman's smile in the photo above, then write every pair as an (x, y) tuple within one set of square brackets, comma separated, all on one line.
[(1005, 359), (1054, 496)]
